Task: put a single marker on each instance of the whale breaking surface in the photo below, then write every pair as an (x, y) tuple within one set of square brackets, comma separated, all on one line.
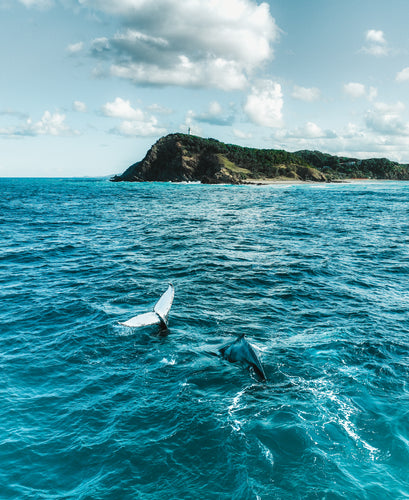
[(241, 351), (237, 350), (159, 314)]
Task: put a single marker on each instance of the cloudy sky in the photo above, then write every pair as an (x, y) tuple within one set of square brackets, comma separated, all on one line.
[(87, 86)]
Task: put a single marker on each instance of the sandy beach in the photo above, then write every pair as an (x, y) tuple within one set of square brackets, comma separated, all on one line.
[(265, 182)]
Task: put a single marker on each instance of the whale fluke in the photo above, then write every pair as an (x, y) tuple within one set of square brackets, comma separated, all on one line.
[(240, 350), (159, 315)]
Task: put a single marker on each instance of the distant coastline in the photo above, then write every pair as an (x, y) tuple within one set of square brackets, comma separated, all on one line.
[(187, 158), (352, 180)]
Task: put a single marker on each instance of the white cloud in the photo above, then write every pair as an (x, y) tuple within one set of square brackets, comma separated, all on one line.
[(376, 50), (308, 136), (100, 45), (375, 36), (242, 135), (79, 106), (132, 38), (386, 119), (264, 104), (13, 112), (50, 124), (137, 128), (354, 89), (383, 132), (74, 48), (372, 93), (311, 131), (191, 43), (215, 109), (334, 143), (403, 76), (306, 94), (357, 90), (215, 115), (157, 108), (40, 4), (135, 121), (120, 108), (376, 44), (219, 73), (366, 143)]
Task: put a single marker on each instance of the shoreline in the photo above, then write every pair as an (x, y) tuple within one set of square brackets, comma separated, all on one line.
[(267, 182)]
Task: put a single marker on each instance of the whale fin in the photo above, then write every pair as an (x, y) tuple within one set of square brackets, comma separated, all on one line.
[(159, 315), (146, 319), (163, 305), (240, 350)]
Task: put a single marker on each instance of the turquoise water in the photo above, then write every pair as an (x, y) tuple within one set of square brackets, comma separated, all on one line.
[(316, 276)]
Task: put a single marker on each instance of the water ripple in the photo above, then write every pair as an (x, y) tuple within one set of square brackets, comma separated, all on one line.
[(315, 276)]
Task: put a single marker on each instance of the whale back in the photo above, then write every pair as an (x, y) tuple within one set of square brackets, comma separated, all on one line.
[(241, 351)]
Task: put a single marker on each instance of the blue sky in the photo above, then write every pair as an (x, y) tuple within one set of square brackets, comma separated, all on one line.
[(87, 86)]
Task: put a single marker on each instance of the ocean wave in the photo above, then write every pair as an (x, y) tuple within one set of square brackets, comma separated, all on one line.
[(316, 279)]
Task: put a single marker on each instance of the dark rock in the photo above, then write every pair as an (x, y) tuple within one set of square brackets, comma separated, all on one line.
[(172, 159)]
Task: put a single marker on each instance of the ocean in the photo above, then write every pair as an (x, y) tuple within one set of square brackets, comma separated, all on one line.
[(317, 278)]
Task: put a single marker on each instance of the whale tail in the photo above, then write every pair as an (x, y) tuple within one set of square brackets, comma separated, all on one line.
[(159, 315)]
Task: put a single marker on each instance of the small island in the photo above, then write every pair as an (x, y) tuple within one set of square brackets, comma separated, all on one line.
[(188, 158)]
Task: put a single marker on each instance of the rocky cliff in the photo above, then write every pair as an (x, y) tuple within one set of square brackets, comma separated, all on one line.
[(181, 157)]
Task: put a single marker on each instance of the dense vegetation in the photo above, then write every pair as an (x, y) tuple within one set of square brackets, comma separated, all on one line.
[(343, 167), (275, 162), (182, 157), (260, 162)]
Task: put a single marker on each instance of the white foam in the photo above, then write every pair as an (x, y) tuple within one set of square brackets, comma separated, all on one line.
[(267, 453), (166, 361)]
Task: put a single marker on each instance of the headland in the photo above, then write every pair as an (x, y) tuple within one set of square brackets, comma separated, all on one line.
[(188, 158)]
